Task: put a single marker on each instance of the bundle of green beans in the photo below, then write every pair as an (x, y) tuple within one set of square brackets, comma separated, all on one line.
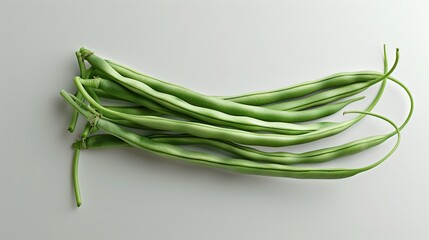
[(162, 117)]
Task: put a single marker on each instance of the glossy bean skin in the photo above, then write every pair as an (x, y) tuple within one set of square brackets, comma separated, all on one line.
[(84, 73), (323, 97), (195, 128), (209, 131), (255, 98), (212, 116), (307, 114), (304, 89), (327, 109), (233, 164), (287, 158), (147, 112), (316, 156), (233, 135), (116, 91), (220, 105), (251, 157), (241, 137), (292, 94)]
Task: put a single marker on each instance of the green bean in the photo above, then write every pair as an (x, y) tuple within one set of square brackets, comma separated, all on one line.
[(222, 106), (331, 95), (287, 158), (223, 137), (304, 89), (194, 128), (248, 138), (310, 114), (233, 135), (121, 93), (316, 156), (323, 97), (327, 110), (82, 71), (212, 116), (298, 104), (232, 164), (255, 98), (239, 165), (144, 111)]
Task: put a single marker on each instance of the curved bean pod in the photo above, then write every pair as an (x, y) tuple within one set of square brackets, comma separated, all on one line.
[(330, 108), (323, 97), (254, 98), (233, 135), (119, 93), (287, 158), (220, 105), (316, 156), (306, 88), (312, 114), (84, 73), (238, 136), (323, 112), (239, 165), (195, 128), (209, 115)]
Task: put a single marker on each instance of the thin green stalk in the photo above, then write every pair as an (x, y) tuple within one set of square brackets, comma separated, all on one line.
[(75, 171), (84, 73)]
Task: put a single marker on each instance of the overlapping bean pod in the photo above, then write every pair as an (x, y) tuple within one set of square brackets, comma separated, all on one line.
[(181, 99), (316, 156), (233, 164), (167, 149), (173, 108)]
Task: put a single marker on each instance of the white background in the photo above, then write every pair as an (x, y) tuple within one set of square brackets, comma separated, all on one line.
[(219, 48)]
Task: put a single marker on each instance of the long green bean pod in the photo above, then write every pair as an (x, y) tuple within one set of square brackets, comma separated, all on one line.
[(303, 89), (323, 97), (292, 94), (254, 98), (316, 156), (121, 93), (225, 123), (239, 165), (286, 158), (212, 116), (222, 106), (82, 73), (233, 135)]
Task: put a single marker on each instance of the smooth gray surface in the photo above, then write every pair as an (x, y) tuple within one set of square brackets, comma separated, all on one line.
[(220, 48)]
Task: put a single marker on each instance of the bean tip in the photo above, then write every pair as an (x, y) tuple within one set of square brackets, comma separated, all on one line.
[(85, 52)]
